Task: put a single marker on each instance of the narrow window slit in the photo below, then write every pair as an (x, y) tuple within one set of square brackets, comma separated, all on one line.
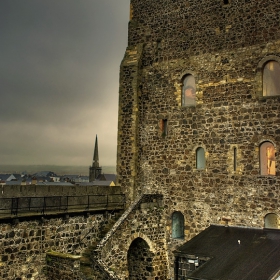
[(234, 159), (164, 127)]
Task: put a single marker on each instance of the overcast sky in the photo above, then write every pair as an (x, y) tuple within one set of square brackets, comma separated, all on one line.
[(59, 72)]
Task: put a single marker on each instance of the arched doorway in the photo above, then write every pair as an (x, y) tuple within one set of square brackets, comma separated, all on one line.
[(139, 259)]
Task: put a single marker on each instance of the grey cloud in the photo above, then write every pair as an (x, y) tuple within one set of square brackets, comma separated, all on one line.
[(59, 67)]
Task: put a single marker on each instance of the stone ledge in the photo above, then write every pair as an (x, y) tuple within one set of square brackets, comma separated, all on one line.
[(63, 255)]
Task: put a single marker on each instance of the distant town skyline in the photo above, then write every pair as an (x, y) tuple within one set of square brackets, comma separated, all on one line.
[(59, 76)]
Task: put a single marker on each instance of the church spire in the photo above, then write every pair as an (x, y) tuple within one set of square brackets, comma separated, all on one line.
[(95, 162), (95, 170)]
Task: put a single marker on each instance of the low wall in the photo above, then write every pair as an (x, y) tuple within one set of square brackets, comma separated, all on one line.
[(23, 245), (63, 266), (7, 191), (26, 201)]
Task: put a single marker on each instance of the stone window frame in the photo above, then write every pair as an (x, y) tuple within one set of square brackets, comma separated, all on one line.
[(181, 215), (205, 157), (259, 156), (231, 161), (162, 127), (259, 76), (144, 237), (182, 77)]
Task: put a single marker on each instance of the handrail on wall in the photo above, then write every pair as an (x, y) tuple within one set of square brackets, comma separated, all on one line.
[(63, 204)]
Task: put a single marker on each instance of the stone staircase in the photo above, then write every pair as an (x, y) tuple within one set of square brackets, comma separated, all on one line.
[(88, 265)]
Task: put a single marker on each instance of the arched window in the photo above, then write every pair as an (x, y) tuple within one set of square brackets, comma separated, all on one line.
[(178, 225), (271, 81), (271, 221), (189, 91), (200, 158), (267, 159)]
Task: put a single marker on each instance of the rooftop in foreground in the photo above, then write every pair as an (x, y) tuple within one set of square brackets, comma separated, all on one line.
[(226, 253)]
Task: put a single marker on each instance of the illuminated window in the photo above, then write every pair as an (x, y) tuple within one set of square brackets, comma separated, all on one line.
[(271, 81), (178, 225), (189, 91), (267, 158), (271, 221), (200, 158), (163, 127)]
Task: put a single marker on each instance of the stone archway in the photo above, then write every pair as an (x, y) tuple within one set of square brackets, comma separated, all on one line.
[(140, 260)]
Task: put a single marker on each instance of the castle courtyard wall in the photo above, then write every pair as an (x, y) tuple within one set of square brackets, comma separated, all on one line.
[(24, 243), (225, 47)]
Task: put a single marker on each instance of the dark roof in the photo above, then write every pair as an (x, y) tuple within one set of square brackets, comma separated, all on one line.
[(107, 177), (256, 257), (70, 176), (18, 176), (5, 177)]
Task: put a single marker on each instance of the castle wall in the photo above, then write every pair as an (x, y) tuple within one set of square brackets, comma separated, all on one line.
[(128, 121), (224, 46), (23, 245)]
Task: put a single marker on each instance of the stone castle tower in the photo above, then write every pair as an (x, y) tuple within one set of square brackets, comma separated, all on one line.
[(198, 158), (95, 169), (199, 120)]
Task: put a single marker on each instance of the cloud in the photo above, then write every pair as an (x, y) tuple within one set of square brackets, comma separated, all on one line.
[(59, 79)]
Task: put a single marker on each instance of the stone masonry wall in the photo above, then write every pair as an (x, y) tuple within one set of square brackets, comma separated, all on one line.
[(23, 245), (128, 121), (63, 266), (141, 224), (224, 46)]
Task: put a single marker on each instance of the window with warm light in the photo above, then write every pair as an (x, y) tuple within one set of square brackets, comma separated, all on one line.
[(271, 80), (189, 91), (267, 159)]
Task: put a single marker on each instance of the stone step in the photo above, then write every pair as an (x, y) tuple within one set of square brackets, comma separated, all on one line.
[(86, 263)]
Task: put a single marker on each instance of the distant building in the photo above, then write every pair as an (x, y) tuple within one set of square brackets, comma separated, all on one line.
[(95, 170), (7, 177), (74, 178), (45, 174)]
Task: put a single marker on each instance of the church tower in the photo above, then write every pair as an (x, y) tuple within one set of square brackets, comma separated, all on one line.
[(95, 169)]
